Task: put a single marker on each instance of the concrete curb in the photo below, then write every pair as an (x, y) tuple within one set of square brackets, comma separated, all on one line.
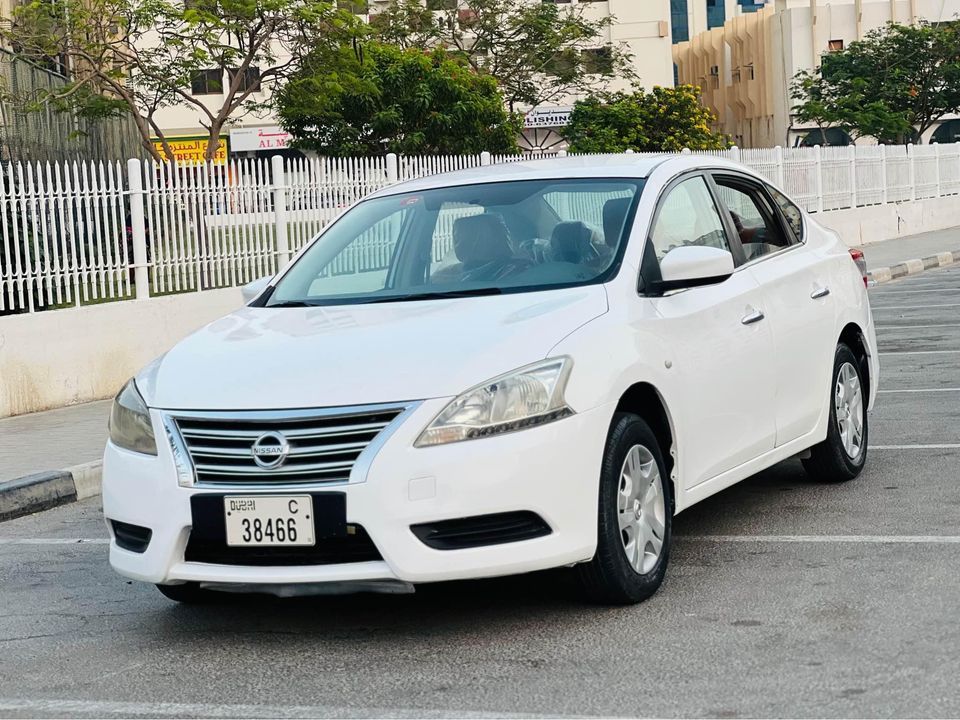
[(42, 491), (912, 267)]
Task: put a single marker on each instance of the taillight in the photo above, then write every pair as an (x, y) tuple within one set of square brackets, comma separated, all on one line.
[(861, 263)]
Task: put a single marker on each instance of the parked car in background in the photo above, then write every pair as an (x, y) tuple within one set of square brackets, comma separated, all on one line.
[(496, 371)]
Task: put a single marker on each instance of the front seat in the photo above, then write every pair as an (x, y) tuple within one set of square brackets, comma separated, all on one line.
[(482, 245), (572, 242)]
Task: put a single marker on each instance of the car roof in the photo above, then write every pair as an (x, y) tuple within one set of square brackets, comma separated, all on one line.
[(634, 166)]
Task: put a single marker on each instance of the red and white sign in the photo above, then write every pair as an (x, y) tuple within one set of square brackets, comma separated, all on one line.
[(259, 138)]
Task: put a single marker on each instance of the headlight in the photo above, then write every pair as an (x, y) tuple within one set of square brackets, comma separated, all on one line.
[(130, 426), (532, 395)]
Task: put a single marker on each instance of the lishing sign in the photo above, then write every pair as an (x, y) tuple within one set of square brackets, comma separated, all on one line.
[(551, 117)]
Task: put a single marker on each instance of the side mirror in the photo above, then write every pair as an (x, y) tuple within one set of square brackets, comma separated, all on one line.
[(694, 265), (251, 290)]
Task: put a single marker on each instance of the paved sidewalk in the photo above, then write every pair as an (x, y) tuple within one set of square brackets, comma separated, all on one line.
[(909, 247), (52, 440)]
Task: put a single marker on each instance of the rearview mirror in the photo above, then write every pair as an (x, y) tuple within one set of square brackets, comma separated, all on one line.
[(251, 290), (693, 266)]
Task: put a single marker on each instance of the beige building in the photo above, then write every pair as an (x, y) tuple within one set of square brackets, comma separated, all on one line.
[(746, 66)]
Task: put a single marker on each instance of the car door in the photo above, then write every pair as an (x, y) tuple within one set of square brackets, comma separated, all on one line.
[(719, 340), (796, 298)]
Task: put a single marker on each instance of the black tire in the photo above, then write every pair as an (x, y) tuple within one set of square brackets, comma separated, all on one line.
[(609, 578), (192, 594), (829, 460)]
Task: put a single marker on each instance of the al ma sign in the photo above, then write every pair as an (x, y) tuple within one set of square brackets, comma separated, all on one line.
[(260, 138)]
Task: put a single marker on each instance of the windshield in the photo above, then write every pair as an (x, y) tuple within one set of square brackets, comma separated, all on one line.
[(466, 240)]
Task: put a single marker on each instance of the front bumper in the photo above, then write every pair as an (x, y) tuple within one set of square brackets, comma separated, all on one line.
[(552, 470)]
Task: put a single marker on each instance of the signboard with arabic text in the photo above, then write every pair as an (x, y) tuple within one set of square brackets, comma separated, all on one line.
[(192, 149)]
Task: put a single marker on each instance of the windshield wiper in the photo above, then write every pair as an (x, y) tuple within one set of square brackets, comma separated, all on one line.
[(438, 295), (290, 304)]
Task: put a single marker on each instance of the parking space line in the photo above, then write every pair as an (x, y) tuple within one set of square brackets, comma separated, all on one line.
[(915, 327), (919, 352), (913, 307), (921, 390), (102, 708), (939, 446), (868, 539), (54, 541), (907, 292)]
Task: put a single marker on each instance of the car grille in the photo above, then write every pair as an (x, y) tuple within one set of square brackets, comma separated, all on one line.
[(322, 447)]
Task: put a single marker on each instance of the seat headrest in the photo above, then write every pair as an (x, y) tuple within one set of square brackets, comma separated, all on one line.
[(480, 239), (614, 216), (571, 242)]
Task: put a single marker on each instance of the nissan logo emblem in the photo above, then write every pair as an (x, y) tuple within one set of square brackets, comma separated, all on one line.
[(270, 450)]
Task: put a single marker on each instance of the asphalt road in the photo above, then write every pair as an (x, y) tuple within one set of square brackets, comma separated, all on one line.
[(785, 597)]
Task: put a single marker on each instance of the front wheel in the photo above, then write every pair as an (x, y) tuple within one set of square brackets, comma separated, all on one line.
[(841, 456), (634, 517)]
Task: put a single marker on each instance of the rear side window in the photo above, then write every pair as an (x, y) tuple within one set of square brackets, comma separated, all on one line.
[(791, 213)]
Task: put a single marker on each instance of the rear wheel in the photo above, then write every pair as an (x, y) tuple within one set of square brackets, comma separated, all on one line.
[(634, 517), (841, 456)]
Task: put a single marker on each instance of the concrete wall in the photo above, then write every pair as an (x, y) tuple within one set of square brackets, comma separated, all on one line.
[(865, 225), (62, 357)]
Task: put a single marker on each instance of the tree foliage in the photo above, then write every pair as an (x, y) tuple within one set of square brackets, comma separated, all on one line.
[(665, 119), (369, 99), (897, 79), (139, 56), (538, 52)]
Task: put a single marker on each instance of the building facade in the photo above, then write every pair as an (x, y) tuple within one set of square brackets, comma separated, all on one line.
[(745, 66), (642, 27)]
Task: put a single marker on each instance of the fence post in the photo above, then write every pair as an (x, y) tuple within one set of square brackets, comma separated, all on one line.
[(138, 229), (853, 175), (936, 162), (735, 154), (685, 151), (781, 171), (393, 168), (561, 153), (818, 163), (484, 158), (280, 210), (913, 173), (883, 174)]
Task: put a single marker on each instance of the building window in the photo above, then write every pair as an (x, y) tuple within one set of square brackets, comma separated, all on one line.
[(207, 82), (679, 20), (598, 61), (836, 45), (749, 6), (715, 13), (250, 80)]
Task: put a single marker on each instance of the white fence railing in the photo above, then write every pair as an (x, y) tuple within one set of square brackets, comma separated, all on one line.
[(81, 233)]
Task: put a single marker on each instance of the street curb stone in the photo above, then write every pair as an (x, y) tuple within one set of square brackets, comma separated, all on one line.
[(42, 491), (912, 267)]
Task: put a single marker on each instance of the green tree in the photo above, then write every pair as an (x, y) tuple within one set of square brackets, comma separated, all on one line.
[(665, 119), (897, 79), (138, 56), (369, 99), (538, 52)]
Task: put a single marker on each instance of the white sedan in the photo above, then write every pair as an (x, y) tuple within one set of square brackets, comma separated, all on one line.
[(496, 371)]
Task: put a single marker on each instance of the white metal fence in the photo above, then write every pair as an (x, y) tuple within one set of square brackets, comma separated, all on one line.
[(80, 233)]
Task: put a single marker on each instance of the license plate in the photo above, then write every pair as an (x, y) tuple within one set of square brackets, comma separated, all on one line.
[(269, 521)]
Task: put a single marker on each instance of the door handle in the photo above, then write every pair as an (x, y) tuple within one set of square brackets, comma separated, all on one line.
[(819, 293), (753, 317)]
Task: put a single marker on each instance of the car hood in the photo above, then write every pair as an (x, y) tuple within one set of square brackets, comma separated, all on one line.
[(263, 358)]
